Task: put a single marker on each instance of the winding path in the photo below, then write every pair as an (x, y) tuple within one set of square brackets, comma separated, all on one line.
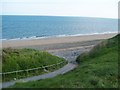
[(69, 54), (62, 70)]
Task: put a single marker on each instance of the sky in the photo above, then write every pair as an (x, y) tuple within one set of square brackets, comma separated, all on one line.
[(84, 8)]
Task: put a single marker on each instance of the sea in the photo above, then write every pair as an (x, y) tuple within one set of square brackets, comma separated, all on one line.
[(39, 27)]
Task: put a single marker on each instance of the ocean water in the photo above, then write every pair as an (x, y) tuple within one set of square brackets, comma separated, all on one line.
[(34, 27)]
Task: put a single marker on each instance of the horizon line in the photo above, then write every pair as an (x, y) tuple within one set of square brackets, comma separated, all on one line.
[(55, 16)]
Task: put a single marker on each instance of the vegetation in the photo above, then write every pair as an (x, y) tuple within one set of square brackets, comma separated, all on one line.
[(98, 69), (22, 59)]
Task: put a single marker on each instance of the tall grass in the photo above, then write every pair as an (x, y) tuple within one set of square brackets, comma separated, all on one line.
[(22, 59)]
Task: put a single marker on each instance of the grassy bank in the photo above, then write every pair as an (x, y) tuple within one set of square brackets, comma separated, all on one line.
[(97, 69), (22, 59)]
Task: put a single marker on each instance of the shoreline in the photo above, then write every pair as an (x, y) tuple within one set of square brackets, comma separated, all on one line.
[(54, 36), (55, 40)]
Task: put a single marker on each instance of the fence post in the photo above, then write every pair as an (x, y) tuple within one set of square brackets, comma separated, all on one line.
[(27, 72), (16, 75), (3, 76)]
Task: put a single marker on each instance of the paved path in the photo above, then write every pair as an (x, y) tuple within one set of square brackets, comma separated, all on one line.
[(62, 70), (69, 54)]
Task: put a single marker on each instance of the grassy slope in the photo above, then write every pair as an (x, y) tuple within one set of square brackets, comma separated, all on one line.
[(98, 68), (22, 59)]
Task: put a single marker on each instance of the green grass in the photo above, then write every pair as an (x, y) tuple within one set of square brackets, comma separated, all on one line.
[(97, 69), (22, 59)]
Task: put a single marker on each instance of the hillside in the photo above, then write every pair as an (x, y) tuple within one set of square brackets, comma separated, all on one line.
[(97, 69), (23, 59)]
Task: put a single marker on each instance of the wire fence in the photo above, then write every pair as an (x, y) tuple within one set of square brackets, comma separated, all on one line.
[(18, 74)]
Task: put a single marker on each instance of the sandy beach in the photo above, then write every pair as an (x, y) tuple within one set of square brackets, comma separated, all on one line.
[(57, 40)]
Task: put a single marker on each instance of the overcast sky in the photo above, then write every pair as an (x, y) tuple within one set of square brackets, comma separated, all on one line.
[(85, 8)]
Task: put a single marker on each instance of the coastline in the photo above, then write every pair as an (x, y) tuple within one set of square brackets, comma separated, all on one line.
[(56, 40)]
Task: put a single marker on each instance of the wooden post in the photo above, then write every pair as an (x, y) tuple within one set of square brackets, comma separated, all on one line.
[(27, 73), (16, 75), (3, 76)]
